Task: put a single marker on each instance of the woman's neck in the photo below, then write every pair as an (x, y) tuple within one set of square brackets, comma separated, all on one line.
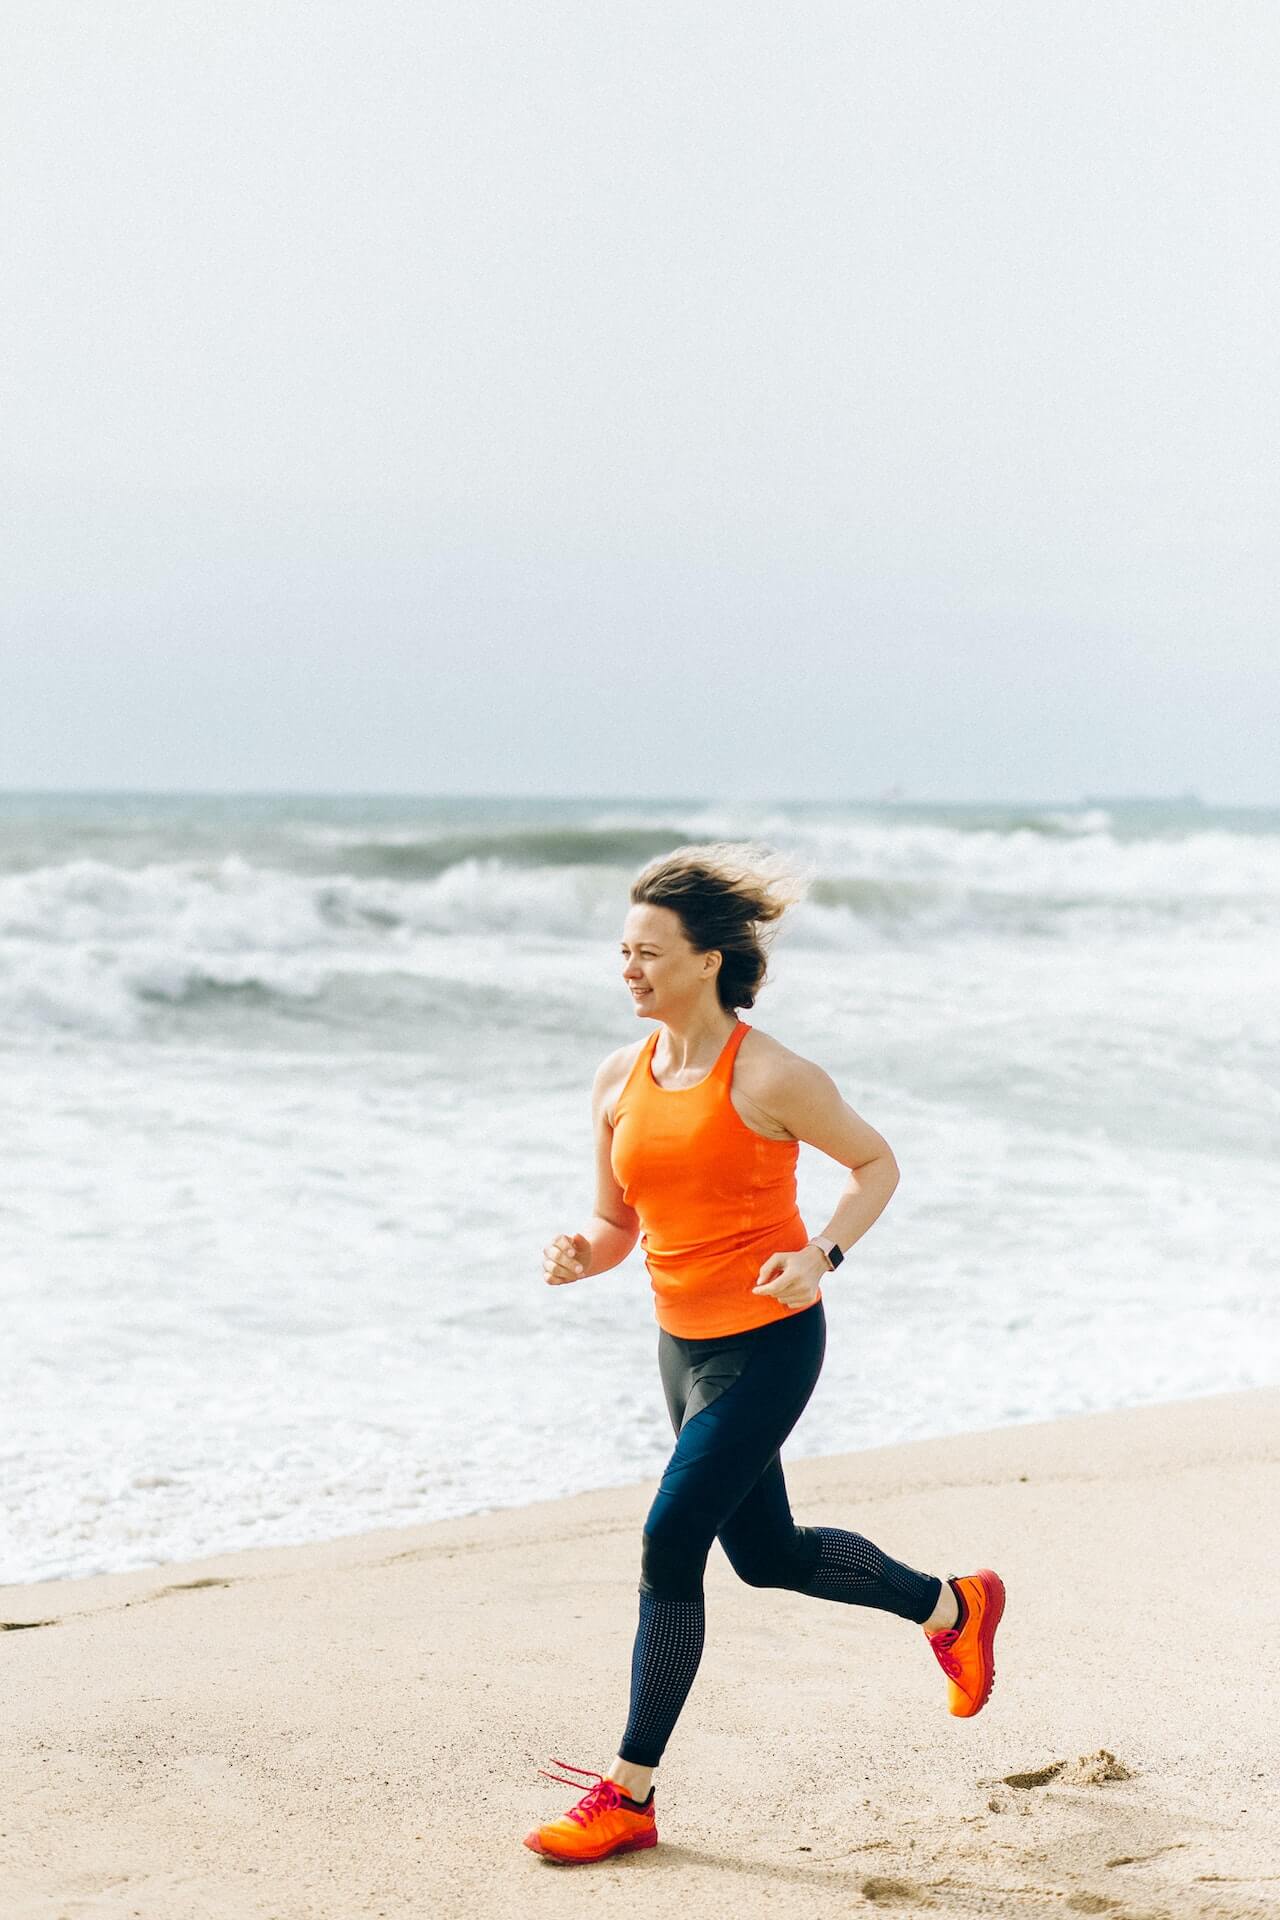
[(696, 1042)]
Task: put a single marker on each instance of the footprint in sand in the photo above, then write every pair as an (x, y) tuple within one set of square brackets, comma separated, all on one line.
[(886, 1892), (1088, 1770)]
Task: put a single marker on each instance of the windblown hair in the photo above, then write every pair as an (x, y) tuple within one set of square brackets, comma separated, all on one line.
[(729, 896)]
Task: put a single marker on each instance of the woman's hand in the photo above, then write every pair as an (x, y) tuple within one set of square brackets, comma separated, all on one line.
[(565, 1258), (792, 1278)]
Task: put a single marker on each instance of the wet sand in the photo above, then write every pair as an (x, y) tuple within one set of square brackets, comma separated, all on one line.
[(355, 1728)]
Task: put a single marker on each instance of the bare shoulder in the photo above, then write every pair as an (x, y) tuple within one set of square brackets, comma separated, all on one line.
[(765, 1066), (781, 1089), (770, 1084), (611, 1076)]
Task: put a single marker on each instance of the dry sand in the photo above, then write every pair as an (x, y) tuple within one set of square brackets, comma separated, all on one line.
[(355, 1728)]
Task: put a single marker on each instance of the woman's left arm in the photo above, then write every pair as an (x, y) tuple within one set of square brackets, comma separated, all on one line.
[(806, 1100)]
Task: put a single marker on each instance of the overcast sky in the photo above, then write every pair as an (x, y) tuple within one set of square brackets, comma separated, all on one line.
[(788, 399)]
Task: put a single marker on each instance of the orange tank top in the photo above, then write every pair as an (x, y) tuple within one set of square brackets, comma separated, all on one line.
[(714, 1198)]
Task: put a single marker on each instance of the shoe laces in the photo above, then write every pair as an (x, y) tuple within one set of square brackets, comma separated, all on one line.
[(596, 1800), (942, 1643)]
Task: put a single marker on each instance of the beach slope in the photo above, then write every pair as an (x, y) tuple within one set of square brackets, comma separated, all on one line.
[(355, 1728)]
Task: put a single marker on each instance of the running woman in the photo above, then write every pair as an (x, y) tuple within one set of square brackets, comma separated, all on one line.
[(697, 1131)]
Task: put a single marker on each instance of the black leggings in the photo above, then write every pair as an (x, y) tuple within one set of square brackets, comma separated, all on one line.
[(732, 1402)]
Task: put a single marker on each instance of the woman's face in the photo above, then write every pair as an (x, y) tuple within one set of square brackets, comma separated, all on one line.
[(662, 971)]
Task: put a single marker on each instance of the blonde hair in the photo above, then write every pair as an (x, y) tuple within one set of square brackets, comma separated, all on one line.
[(729, 896)]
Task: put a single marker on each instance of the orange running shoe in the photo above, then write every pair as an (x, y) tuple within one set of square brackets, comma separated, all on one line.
[(965, 1652), (599, 1824)]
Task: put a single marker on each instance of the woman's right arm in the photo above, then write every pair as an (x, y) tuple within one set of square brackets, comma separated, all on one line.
[(614, 1227)]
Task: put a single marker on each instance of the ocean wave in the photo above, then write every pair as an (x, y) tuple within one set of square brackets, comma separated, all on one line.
[(1052, 867), (418, 856), (900, 862), (89, 947), (193, 983), (233, 906), (96, 946), (788, 824)]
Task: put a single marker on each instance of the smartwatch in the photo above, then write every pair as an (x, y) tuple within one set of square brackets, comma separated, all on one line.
[(829, 1248)]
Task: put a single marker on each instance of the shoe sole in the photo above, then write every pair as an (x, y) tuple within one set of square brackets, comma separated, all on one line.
[(640, 1841), (993, 1586)]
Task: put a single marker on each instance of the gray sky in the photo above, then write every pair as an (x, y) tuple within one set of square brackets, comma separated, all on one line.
[(790, 399)]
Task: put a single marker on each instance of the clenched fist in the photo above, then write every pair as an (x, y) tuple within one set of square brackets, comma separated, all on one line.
[(564, 1259)]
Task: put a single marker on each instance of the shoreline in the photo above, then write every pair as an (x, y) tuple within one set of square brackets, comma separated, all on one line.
[(220, 1557), (355, 1726)]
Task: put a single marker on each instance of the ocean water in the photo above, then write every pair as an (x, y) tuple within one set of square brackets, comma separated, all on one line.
[(296, 1089)]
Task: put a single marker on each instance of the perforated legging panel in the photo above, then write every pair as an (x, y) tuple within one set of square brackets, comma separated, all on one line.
[(853, 1569), (664, 1660)]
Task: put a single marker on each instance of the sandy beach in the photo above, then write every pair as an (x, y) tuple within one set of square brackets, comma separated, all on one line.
[(355, 1728)]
